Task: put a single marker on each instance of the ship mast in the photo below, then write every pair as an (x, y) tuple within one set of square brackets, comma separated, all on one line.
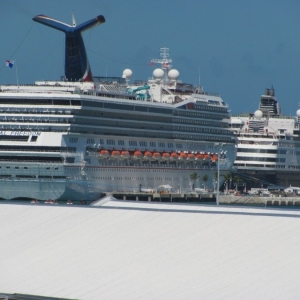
[(164, 61)]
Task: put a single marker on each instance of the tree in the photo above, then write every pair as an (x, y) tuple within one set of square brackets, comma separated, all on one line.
[(227, 176), (237, 179), (205, 179), (194, 177)]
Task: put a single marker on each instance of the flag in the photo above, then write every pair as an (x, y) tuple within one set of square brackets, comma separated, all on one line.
[(151, 63), (10, 63)]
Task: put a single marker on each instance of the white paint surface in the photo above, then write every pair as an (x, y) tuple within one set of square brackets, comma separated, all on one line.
[(126, 250)]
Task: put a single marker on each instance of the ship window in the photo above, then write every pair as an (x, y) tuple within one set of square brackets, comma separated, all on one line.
[(70, 160), (142, 143), (161, 144), (110, 142), (132, 143), (118, 106), (73, 140), (90, 141), (121, 143), (61, 102), (34, 138), (141, 108), (13, 138), (76, 102), (170, 145), (101, 141)]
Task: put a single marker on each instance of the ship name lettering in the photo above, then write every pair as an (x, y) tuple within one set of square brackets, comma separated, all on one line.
[(25, 133)]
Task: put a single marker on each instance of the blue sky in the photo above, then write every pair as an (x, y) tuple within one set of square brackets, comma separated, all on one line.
[(240, 47)]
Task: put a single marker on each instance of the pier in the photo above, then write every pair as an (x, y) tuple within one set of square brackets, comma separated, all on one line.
[(163, 197), (208, 197), (262, 201)]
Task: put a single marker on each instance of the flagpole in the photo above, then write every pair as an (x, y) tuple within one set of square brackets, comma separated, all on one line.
[(17, 73)]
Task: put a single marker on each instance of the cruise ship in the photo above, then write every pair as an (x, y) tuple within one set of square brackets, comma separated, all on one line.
[(83, 135), (268, 144)]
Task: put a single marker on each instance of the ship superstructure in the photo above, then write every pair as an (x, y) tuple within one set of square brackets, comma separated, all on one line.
[(76, 139), (268, 144)]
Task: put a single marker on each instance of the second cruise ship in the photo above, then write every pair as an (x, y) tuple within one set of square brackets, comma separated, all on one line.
[(268, 144)]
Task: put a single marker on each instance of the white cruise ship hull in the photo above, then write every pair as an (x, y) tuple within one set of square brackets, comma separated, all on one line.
[(126, 180), (89, 175)]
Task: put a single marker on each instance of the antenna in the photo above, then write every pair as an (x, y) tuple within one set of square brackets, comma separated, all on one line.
[(164, 60)]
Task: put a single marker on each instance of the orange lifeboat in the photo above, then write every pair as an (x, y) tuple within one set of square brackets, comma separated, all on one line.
[(166, 156), (191, 157), (124, 155), (199, 157), (182, 156), (214, 158), (156, 156), (115, 154), (147, 155), (173, 156), (137, 155), (206, 156), (104, 154)]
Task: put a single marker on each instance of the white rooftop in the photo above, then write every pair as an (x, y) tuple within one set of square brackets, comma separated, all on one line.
[(134, 250)]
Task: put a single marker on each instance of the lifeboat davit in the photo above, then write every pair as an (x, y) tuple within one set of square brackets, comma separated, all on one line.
[(191, 157), (182, 156), (104, 154), (214, 158), (165, 156), (115, 154), (156, 156), (137, 155), (173, 156), (147, 155), (124, 155)]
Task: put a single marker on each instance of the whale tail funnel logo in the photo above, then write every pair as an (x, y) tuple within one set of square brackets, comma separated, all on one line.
[(77, 67)]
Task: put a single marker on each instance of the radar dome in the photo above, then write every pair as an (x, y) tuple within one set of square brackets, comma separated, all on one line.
[(298, 113), (127, 73), (173, 74), (158, 73), (258, 114)]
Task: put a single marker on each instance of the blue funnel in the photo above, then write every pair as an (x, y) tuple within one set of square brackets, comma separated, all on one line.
[(77, 67)]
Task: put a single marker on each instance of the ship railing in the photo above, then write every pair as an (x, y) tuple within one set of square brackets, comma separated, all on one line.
[(247, 115)]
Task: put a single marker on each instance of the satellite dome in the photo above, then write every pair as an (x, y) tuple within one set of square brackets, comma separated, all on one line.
[(258, 114), (158, 73), (298, 113), (173, 74), (127, 73)]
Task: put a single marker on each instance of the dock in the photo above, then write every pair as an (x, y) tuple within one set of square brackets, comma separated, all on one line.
[(263, 201), (208, 197), (163, 197)]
